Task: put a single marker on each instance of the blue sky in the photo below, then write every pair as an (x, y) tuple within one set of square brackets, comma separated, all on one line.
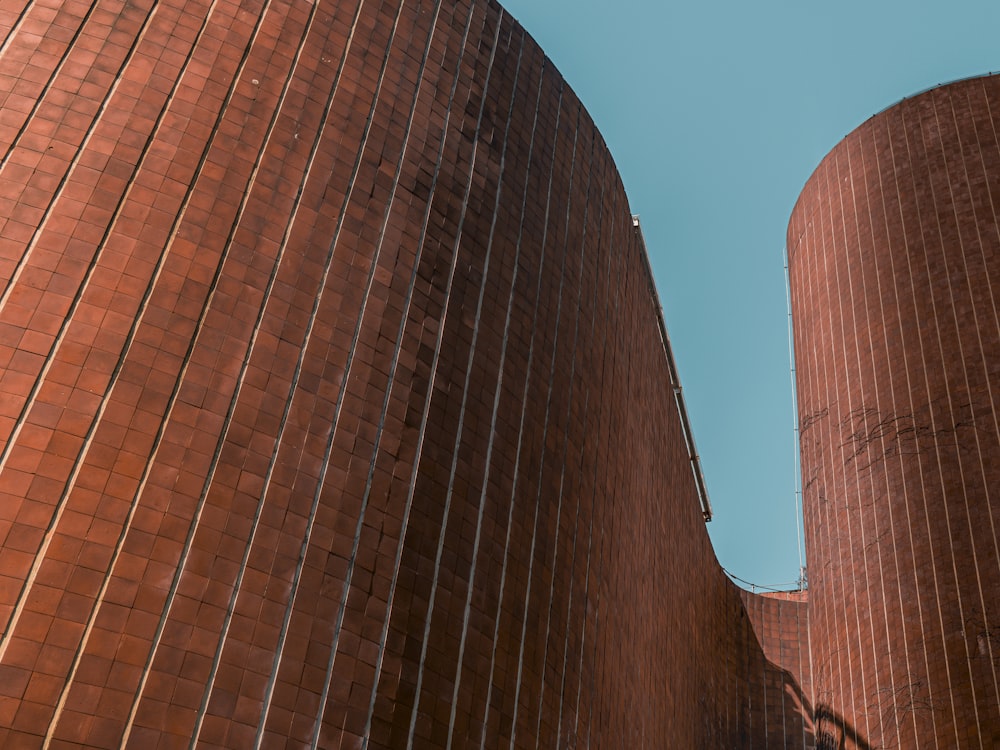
[(716, 114)]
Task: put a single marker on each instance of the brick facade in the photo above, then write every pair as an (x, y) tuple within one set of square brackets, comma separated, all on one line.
[(336, 408), (894, 254)]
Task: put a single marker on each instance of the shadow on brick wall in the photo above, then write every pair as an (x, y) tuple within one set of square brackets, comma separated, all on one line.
[(833, 732)]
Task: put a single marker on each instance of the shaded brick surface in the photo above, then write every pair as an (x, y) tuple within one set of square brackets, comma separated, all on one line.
[(335, 410), (895, 256)]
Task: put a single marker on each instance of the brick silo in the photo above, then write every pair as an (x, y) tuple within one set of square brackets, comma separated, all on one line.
[(894, 251)]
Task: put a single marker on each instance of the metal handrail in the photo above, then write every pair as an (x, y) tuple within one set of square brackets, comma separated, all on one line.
[(675, 382)]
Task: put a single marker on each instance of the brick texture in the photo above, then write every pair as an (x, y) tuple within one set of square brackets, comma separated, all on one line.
[(335, 409), (895, 257)]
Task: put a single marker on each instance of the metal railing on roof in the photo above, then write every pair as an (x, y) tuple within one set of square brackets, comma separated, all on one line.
[(675, 382)]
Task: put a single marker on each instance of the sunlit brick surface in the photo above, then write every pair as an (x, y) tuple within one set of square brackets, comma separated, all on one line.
[(895, 267), (333, 403)]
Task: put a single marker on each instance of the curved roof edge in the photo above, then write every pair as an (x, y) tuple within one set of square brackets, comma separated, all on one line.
[(929, 89), (899, 102)]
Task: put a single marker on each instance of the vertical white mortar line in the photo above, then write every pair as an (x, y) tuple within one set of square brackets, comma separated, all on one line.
[(569, 414), (608, 499), (17, 25), (60, 336), (527, 378), (851, 383), (168, 412), (456, 447), (580, 485), (545, 422), (488, 465), (937, 453), (906, 500), (888, 500), (826, 329), (975, 428), (366, 497), (951, 411), (182, 562)]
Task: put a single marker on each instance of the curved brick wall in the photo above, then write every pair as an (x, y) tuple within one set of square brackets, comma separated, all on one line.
[(778, 682), (334, 402), (895, 263)]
